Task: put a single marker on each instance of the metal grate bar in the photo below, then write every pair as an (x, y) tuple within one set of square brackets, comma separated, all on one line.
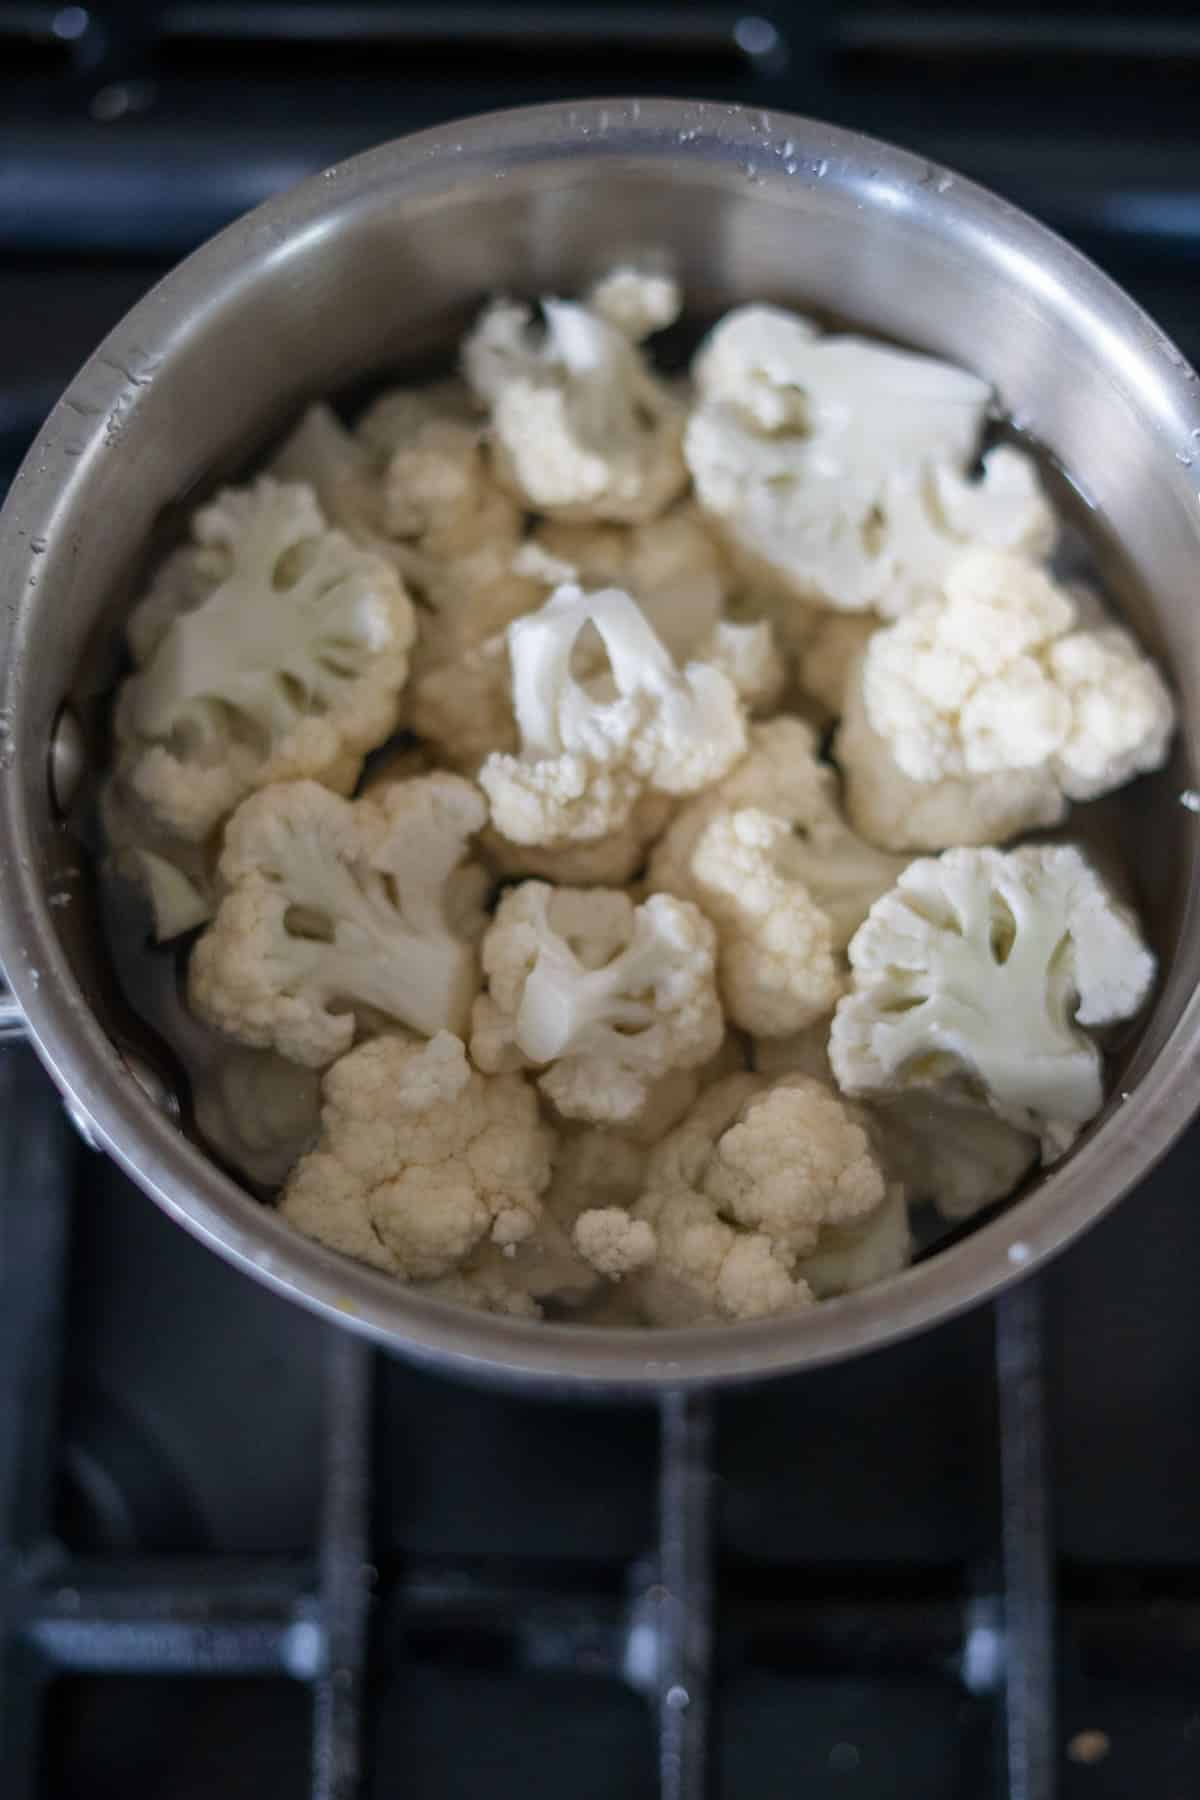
[(345, 1575), (162, 1615), (1014, 34), (1029, 1689), (685, 1623)]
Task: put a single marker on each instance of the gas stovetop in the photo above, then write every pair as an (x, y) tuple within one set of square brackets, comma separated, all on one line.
[(241, 1554)]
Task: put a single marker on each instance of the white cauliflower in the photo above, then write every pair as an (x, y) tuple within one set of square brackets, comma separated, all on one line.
[(590, 748), (178, 585), (394, 418), (420, 1159), (781, 777), (892, 810), (460, 697), (745, 1191), (780, 774), (638, 301), (613, 1243), (593, 1171), (987, 966), (842, 464), (421, 494), (581, 428), (992, 679), (776, 965), (442, 500), (321, 454), (291, 665), (749, 656), (604, 996), (591, 862), (342, 912), (671, 566), (176, 877)]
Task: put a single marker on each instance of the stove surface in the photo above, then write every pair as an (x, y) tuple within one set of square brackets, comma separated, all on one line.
[(242, 1554)]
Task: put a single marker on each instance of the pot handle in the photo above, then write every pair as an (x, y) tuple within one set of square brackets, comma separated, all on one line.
[(12, 1019)]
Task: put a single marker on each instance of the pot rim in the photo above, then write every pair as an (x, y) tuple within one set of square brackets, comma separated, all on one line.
[(101, 1091)]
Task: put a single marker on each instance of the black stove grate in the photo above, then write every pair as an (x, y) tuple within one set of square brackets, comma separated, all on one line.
[(672, 1634)]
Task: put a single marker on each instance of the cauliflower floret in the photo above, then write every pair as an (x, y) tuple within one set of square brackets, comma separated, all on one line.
[(322, 454), (745, 1190), (581, 428), (420, 1159), (776, 963), (460, 699), (796, 1161), (593, 1170), (596, 862), (782, 777), (590, 748), (613, 1243), (779, 774), (180, 582), (394, 418), (842, 463), (748, 655), (987, 964), (440, 495), (638, 301), (257, 1110), (991, 679), (670, 566), (609, 996), (897, 813), (290, 666), (175, 876), (435, 512), (342, 911)]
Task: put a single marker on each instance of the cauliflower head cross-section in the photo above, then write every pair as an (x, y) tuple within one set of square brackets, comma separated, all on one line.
[(987, 964), (843, 464), (420, 1159), (291, 664), (607, 997), (591, 747), (342, 910)]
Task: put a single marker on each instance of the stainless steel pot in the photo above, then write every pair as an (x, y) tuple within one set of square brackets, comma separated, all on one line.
[(380, 263)]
